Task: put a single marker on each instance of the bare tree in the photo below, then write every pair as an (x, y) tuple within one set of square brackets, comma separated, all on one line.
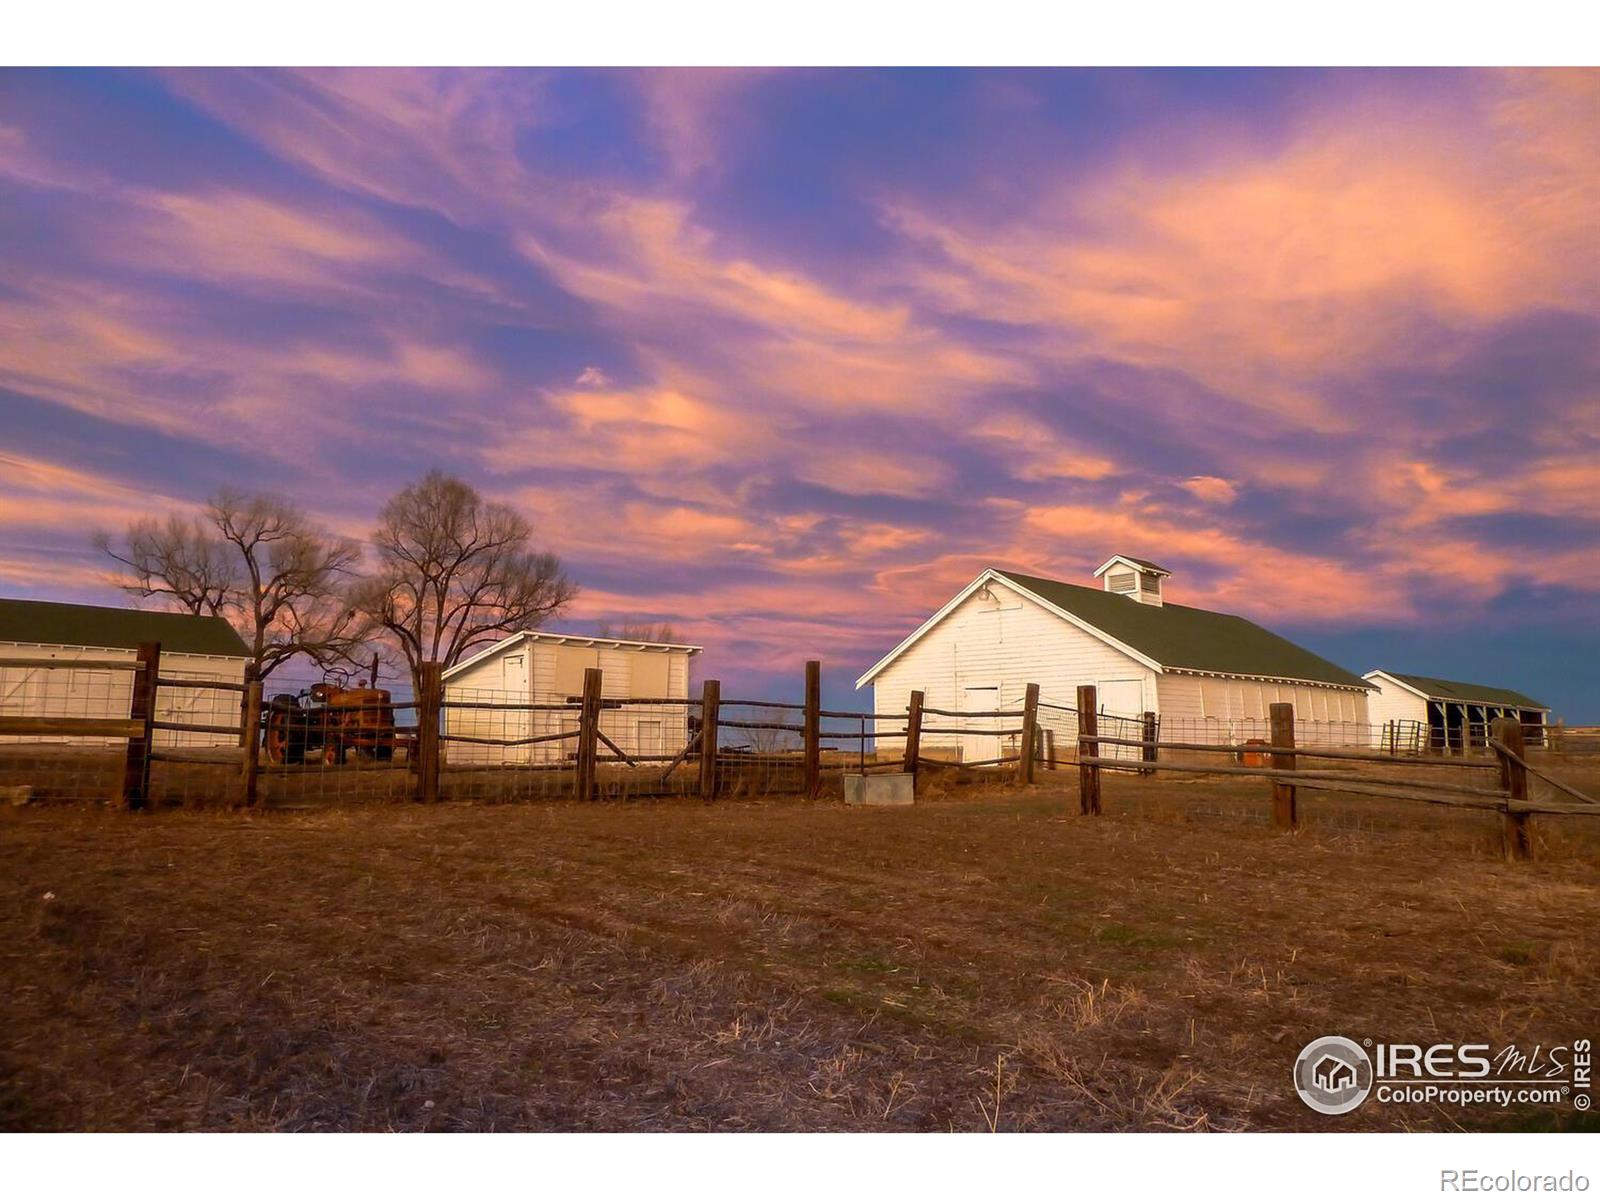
[(259, 563), (455, 571), (637, 631)]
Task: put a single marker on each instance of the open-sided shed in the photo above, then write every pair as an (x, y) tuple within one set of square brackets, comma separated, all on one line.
[(1451, 714)]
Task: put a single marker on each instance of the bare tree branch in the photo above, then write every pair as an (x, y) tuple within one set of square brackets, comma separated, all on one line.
[(455, 572), (259, 563)]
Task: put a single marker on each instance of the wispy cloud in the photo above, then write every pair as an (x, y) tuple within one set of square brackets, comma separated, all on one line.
[(784, 357)]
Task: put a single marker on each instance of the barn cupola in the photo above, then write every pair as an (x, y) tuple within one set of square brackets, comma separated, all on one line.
[(1136, 578)]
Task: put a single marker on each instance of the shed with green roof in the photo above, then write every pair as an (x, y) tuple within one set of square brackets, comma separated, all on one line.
[(89, 636), (1451, 715)]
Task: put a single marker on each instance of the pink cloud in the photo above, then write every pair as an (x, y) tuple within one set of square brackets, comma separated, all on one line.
[(1211, 489)]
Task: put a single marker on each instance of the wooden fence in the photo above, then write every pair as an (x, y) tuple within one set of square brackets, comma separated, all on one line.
[(706, 762), (1511, 798), (588, 748)]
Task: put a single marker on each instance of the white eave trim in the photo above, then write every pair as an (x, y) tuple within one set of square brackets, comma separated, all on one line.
[(991, 575), (583, 639), (486, 652), (1399, 683), (1321, 683), (129, 651), (574, 639)]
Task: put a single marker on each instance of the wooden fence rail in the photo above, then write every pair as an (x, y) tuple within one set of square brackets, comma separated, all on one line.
[(1406, 760), (103, 727), (72, 664), (202, 685)]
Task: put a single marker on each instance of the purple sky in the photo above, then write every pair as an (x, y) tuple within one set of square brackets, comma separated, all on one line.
[(784, 358)]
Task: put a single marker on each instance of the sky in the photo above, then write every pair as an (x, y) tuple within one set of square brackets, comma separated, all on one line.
[(785, 358)]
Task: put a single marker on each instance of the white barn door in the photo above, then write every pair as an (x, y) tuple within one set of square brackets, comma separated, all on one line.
[(1121, 703), (513, 688), (981, 743)]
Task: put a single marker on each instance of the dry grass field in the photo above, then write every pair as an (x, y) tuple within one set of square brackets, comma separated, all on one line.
[(986, 960)]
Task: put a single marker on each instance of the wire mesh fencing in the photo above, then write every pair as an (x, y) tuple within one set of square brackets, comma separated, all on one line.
[(973, 738), (153, 732), (44, 759), (68, 717)]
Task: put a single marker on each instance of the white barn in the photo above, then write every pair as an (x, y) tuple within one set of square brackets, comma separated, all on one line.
[(1209, 676), (86, 634), (1421, 712), (542, 667)]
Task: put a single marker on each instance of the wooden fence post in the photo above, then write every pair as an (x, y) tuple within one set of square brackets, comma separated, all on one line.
[(141, 707), (1147, 734), (250, 734), (1517, 836), (251, 674), (913, 737), (430, 693), (589, 734), (1030, 733), (1088, 747), (1049, 748), (710, 702), (1285, 813), (813, 729)]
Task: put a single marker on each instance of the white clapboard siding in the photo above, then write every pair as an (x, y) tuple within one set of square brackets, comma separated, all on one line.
[(1393, 703), (1221, 711), (1003, 643), (87, 691), (984, 651), (551, 672)]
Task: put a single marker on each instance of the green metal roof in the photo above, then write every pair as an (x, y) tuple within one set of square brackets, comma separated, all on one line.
[(1473, 693), (48, 623), (1184, 638)]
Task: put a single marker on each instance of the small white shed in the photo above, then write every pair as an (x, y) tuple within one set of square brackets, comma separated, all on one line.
[(541, 667), (192, 647), (1422, 712)]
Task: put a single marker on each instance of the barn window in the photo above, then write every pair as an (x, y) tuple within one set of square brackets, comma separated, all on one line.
[(1150, 583), (1122, 581)]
